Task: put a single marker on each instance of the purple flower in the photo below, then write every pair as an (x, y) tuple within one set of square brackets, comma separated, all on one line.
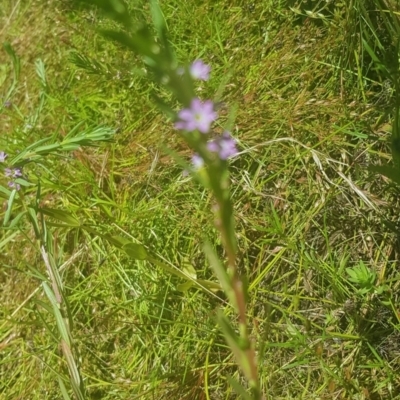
[(224, 145), (200, 70), (3, 156), (197, 161), (13, 172), (14, 185), (17, 172), (199, 116)]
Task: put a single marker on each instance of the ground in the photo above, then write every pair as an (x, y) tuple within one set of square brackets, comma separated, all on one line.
[(311, 113)]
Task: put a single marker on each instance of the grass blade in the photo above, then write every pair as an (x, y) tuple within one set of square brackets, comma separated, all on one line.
[(10, 203)]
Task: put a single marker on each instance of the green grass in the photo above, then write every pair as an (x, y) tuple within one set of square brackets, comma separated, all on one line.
[(312, 115)]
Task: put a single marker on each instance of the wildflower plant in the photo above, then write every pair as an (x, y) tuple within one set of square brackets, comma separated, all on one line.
[(363, 277), (193, 122)]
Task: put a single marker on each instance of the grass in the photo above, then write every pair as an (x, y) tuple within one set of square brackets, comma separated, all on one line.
[(311, 115)]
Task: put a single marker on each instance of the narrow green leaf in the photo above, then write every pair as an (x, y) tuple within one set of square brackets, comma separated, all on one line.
[(43, 150), (240, 348), (234, 341), (356, 134), (61, 215), (15, 60), (73, 131), (57, 281), (136, 251), (221, 273), (210, 285), (70, 147), (77, 391), (352, 273), (34, 221), (38, 194), (374, 352), (14, 223), (9, 207), (28, 150), (379, 65), (161, 27), (189, 270), (44, 305), (38, 143), (23, 182), (117, 240), (5, 191), (184, 287), (71, 362), (46, 325), (157, 15), (41, 72), (56, 225), (63, 389), (174, 271), (8, 237), (57, 314), (36, 274), (239, 389)]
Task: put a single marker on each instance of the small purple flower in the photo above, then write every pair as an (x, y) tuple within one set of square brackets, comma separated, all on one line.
[(3, 156), (14, 185), (13, 172), (200, 70), (197, 161), (199, 116), (224, 145), (7, 104)]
